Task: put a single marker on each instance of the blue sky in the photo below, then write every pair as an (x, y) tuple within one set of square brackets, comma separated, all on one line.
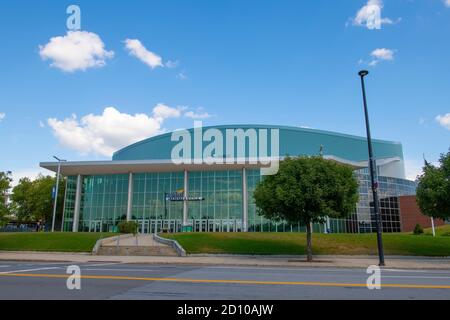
[(253, 61)]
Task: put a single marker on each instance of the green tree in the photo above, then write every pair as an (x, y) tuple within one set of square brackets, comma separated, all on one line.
[(32, 200), (5, 186), (307, 189), (433, 191)]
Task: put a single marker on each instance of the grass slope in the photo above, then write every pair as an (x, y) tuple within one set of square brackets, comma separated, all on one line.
[(51, 242), (323, 244)]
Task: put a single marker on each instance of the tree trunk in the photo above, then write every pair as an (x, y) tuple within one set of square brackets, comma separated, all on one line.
[(309, 242)]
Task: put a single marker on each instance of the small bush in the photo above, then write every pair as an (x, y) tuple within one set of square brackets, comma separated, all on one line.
[(418, 230), (128, 227)]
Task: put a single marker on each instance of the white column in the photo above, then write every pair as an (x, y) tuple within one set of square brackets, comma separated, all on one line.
[(64, 206), (244, 201), (186, 195), (76, 213), (130, 196)]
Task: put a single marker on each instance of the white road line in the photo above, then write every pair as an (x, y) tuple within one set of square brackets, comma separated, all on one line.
[(29, 270), (325, 270), (104, 264), (405, 270), (120, 270), (416, 277)]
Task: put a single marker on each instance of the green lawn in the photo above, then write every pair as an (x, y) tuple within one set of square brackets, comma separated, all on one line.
[(323, 244), (51, 242), (440, 231)]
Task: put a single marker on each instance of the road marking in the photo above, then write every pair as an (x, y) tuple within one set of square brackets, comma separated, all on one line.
[(248, 282), (417, 277), (120, 270), (27, 270), (104, 264), (348, 270)]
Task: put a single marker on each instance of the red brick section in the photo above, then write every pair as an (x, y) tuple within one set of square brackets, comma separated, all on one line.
[(410, 215)]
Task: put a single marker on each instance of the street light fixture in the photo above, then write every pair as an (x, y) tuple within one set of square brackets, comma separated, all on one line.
[(373, 174), (56, 191)]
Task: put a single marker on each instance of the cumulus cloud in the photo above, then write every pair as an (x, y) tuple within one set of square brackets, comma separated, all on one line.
[(137, 49), (369, 16), (112, 130), (77, 50), (381, 54), (2, 116), (199, 114), (444, 120)]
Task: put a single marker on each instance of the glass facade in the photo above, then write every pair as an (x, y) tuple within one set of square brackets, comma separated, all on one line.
[(69, 203), (221, 209), (104, 200), (150, 209), (217, 204)]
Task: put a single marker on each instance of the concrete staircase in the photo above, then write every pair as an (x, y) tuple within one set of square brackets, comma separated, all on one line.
[(141, 245)]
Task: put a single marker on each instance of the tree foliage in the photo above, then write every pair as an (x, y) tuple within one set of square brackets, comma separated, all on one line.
[(307, 189), (433, 191), (32, 200), (5, 185)]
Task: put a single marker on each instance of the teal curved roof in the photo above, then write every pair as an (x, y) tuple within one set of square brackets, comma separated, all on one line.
[(293, 142)]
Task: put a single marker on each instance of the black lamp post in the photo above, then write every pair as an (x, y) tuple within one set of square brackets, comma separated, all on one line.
[(373, 174)]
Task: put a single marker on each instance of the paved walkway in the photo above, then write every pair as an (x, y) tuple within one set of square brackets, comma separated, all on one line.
[(258, 261), (140, 240)]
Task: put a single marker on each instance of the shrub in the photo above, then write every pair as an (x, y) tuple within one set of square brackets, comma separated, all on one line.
[(128, 227), (418, 230)]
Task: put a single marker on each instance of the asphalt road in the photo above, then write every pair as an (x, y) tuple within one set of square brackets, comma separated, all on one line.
[(19, 280)]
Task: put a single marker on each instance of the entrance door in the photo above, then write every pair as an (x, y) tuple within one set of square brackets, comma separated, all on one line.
[(153, 226), (144, 226), (211, 224), (172, 226), (95, 226)]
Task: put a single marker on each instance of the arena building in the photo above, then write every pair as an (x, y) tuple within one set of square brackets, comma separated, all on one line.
[(202, 180)]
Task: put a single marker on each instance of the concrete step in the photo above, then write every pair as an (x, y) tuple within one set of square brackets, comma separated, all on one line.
[(137, 251)]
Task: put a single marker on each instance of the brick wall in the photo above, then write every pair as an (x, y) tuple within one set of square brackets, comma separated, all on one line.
[(410, 215)]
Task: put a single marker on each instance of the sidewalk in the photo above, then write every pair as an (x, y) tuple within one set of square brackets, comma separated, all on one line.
[(394, 262)]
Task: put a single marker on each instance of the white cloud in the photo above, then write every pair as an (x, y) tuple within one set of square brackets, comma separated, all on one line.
[(2, 116), (137, 49), (381, 54), (77, 50), (369, 16), (447, 3), (172, 64), (31, 173), (413, 168), (106, 133), (197, 115), (182, 76), (162, 112), (444, 120)]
